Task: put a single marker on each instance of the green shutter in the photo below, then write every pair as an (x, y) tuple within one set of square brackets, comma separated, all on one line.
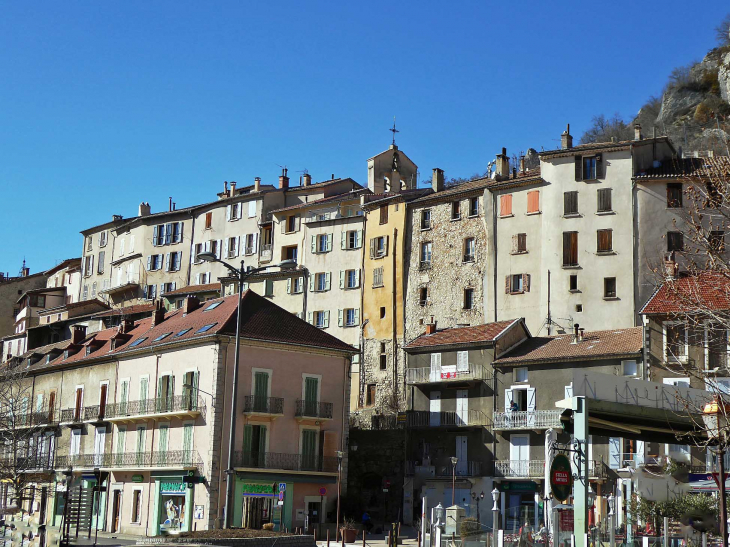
[(262, 445), (188, 443), (310, 396), (261, 390), (309, 447), (247, 435)]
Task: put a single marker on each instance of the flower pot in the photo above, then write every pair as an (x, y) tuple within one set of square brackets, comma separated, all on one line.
[(350, 534)]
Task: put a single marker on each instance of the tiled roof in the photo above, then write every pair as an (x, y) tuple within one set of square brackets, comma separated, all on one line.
[(42, 350), (323, 184), (68, 263), (260, 320), (372, 200), (594, 345), (600, 147), (41, 290), (688, 168), (195, 289), (354, 194), (707, 291), (461, 335), (127, 310)]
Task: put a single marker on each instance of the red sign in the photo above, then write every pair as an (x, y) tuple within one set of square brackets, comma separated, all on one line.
[(561, 477), (387, 483), (323, 491)]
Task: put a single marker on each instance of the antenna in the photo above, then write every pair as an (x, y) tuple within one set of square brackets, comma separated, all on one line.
[(394, 130)]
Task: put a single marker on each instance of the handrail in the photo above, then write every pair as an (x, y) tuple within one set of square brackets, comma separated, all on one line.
[(166, 458), (161, 405), (530, 419), (263, 405), (426, 375), (313, 409), (284, 461)]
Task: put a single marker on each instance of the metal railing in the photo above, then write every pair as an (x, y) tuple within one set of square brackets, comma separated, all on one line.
[(71, 415), (263, 405), (531, 419), (467, 418), (266, 252), (166, 458), (93, 413), (160, 405), (536, 468), (426, 375), (287, 462), (31, 463), (313, 409), (424, 265), (444, 468)]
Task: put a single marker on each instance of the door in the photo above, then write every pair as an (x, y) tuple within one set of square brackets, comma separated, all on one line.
[(190, 390), (309, 449), (165, 390), (311, 386), (116, 509), (434, 409), (462, 464), (99, 440), (435, 373), (519, 455), (75, 446), (531, 407), (462, 406), (102, 400), (314, 512), (79, 402), (261, 392), (51, 406)]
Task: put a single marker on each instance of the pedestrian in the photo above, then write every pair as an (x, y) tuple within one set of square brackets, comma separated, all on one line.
[(367, 524)]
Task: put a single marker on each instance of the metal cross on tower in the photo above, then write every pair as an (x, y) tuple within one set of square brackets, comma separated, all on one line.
[(394, 130)]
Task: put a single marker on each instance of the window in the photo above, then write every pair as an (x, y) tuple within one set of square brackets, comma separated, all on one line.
[(289, 253), (589, 168), (215, 248), (382, 312), (383, 356), (136, 506), (426, 219), (158, 235), (570, 249), (213, 306), (519, 243), (521, 374), (469, 298), (321, 282), (517, 284), (674, 195), (269, 287), (208, 220), (455, 210), (609, 287), (533, 202), (183, 332), (716, 240), (630, 368), (295, 285), (150, 292), (349, 317), (604, 200), (173, 233), (322, 243), (378, 247), (206, 328), (370, 395), (291, 224), (423, 296), (154, 263), (173, 261), (198, 250), (426, 255), (675, 241), (470, 249), (505, 205), (349, 279), (202, 278), (570, 203), (474, 207), (322, 319), (233, 211), (383, 214), (88, 265), (137, 342), (573, 283), (251, 243), (604, 241), (89, 243), (675, 342), (352, 239), (162, 337), (378, 277), (100, 265), (232, 247)]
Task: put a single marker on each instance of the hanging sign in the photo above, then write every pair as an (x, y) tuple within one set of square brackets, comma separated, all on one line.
[(561, 477)]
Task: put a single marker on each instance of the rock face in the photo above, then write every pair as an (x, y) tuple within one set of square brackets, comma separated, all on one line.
[(676, 103), (532, 160), (723, 77)]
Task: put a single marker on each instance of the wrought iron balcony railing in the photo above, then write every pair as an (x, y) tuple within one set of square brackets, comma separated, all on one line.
[(28, 464), (427, 375), (532, 419), (71, 415), (313, 409), (263, 405), (466, 418), (444, 468), (133, 460), (536, 468), (160, 405), (287, 462)]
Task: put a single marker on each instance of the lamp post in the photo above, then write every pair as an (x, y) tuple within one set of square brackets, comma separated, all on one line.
[(340, 454), (495, 515), (454, 461), (612, 521), (242, 275), (477, 498), (715, 417)]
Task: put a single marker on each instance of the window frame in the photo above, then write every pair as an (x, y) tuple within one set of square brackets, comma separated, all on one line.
[(605, 192), (465, 257), (456, 210), (674, 202), (426, 220), (606, 293), (468, 291), (679, 359), (607, 241)]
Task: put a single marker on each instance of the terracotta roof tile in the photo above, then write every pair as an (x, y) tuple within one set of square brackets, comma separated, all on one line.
[(600, 147), (354, 194), (707, 291), (689, 168), (594, 345), (194, 289), (460, 335), (127, 310)]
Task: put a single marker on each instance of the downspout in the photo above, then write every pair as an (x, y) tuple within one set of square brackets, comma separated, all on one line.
[(192, 247), (494, 250), (394, 322), (361, 374)]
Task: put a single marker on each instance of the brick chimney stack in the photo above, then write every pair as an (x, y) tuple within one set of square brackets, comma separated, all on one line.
[(126, 325), (503, 164), (233, 189), (566, 139), (158, 316), (637, 132), (78, 334), (306, 179), (144, 209), (190, 304), (437, 180), (431, 327), (283, 180)]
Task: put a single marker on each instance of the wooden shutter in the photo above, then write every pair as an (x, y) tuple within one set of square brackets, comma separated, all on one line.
[(599, 166), (515, 243), (372, 248), (526, 282), (533, 201), (604, 200), (604, 240), (578, 168), (505, 205), (570, 248), (507, 284), (154, 235), (261, 385)]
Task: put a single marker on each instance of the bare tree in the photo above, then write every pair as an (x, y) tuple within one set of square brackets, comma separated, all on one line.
[(722, 32), (605, 129)]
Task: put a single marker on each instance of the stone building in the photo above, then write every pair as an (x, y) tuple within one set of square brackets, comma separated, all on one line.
[(12, 288)]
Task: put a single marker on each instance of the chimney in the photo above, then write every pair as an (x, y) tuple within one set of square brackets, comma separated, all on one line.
[(78, 333), (306, 179), (190, 304), (431, 327), (522, 164), (144, 209), (503, 164), (566, 139), (116, 218), (233, 189), (257, 184), (437, 180), (225, 187), (158, 316), (126, 325), (581, 332), (671, 269), (637, 132), (170, 203), (576, 333), (283, 180)]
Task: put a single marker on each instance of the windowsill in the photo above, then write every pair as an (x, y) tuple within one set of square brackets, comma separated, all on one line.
[(455, 219), (349, 326), (603, 213), (573, 267), (611, 298), (473, 216), (349, 288), (533, 213), (506, 216), (605, 253), (378, 286), (379, 257), (574, 291), (517, 292), (518, 253), (292, 232), (425, 229), (669, 207), (573, 215), (469, 261)]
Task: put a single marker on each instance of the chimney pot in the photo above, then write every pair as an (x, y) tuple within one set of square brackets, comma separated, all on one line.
[(306, 179), (78, 334), (257, 184), (522, 164), (503, 164), (158, 316), (233, 189), (190, 304), (637, 132), (431, 327), (576, 328), (566, 139), (144, 209), (437, 180), (283, 180), (126, 325)]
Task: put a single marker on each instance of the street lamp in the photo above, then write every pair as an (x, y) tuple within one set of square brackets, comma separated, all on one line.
[(715, 417), (454, 461), (477, 498), (612, 521), (495, 514), (242, 275), (340, 454)]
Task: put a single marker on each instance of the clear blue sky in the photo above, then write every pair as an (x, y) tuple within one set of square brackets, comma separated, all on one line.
[(106, 104)]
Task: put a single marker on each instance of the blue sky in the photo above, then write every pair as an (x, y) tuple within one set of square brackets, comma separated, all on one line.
[(106, 104)]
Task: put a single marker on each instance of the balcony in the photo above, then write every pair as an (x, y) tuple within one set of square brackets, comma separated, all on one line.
[(535, 469), (37, 463), (426, 375), (72, 416), (532, 419), (266, 253), (444, 469), (130, 284), (180, 406), (316, 410), (33, 419), (424, 265), (467, 418), (253, 405), (285, 462), (168, 459)]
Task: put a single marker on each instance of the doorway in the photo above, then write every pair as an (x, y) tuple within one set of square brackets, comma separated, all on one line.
[(116, 509), (314, 512)]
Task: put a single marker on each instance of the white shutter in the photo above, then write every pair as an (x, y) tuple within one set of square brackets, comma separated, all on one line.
[(131, 243), (255, 242), (314, 244), (228, 213), (531, 402), (206, 247), (357, 316), (639, 452), (343, 240), (288, 286), (311, 282), (462, 361), (358, 242), (180, 232), (329, 242), (342, 279), (149, 263), (326, 319), (121, 248), (227, 253), (357, 278), (154, 236), (339, 317), (251, 209), (197, 279), (167, 261), (435, 367), (309, 317), (327, 279), (614, 452), (508, 400)]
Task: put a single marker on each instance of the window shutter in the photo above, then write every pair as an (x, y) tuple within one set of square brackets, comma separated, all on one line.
[(358, 239), (174, 285), (297, 220), (197, 279), (339, 318), (251, 209), (343, 240), (578, 168), (255, 243), (229, 217), (357, 278), (180, 231), (309, 317), (506, 284), (228, 249), (342, 279), (168, 234), (144, 292), (515, 245), (386, 245), (154, 236), (329, 242), (326, 319), (149, 263), (311, 282), (566, 248), (372, 248), (599, 166), (218, 251), (314, 244), (167, 261), (206, 247), (283, 225), (288, 286), (327, 280), (508, 400), (526, 282)]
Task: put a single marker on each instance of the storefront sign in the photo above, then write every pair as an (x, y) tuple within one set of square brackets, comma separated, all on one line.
[(199, 510), (258, 488), (518, 486), (137, 478), (561, 477), (172, 488)]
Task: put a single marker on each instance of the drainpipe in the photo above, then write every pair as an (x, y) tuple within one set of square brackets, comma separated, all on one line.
[(394, 321), (494, 410), (192, 247), (494, 250)]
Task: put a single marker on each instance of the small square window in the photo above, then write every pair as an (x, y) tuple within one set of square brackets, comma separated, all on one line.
[(162, 337), (213, 306), (423, 296), (455, 210), (137, 342), (382, 312), (183, 332), (206, 328), (521, 374), (609, 287), (579, 308), (573, 283), (468, 298), (474, 207), (630, 368)]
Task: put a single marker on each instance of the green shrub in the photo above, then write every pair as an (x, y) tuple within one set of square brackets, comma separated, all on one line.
[(469, 527)]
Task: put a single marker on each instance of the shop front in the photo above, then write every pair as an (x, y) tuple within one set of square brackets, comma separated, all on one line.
[(172, 509), (521, 503), (258, 502)]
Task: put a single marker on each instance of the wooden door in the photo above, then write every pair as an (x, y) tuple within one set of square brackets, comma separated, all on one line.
[(116, 509), (102, 401)]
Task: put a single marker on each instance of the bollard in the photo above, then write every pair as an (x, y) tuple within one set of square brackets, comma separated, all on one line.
[(363, 537), (342, 538), (315, 534), (418, 537), (328, 537)]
